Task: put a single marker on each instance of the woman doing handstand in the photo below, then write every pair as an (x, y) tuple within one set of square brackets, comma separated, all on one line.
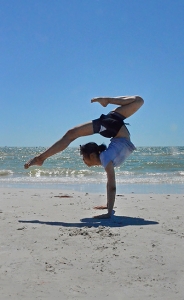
[(111, 126)]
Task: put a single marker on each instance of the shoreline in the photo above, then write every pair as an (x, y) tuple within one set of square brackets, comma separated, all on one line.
[(52, 248), (101, 187)]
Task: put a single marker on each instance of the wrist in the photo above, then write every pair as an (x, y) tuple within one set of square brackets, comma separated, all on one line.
[(109, 213)]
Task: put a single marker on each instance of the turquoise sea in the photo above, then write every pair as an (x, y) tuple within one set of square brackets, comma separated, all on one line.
[(147, 170)]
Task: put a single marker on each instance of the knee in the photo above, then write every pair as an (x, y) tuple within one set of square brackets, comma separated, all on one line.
[(139, 100), (71, 134)]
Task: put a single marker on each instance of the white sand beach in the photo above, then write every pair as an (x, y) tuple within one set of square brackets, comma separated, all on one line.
[(52, 248)]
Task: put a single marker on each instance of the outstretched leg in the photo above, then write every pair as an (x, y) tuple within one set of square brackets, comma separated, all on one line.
[(63, 143)]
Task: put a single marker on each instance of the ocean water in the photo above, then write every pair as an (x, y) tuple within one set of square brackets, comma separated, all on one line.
[(147, 170)]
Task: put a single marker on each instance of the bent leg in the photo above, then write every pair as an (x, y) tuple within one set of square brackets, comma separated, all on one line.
[(129, 109), (63, 143)]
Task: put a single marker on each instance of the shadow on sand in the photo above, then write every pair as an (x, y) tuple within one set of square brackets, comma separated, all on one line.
[(115, 221)]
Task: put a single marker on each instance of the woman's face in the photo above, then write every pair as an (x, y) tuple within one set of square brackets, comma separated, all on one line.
[(88, 160)]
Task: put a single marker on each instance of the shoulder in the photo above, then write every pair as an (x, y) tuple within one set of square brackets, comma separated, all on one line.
[(109, 154), (109, 166)]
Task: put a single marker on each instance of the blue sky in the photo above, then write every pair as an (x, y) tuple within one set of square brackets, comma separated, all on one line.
[(55, 55)]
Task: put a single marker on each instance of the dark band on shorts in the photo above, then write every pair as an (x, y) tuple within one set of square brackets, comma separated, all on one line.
[(108, 125)]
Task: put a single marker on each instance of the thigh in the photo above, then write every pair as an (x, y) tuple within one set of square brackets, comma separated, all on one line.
[(129, 109), (82, 130)]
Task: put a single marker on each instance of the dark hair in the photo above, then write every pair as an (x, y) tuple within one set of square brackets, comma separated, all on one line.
[(89, 148)]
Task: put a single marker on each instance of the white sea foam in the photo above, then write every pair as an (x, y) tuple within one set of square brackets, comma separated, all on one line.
[(5, 172)]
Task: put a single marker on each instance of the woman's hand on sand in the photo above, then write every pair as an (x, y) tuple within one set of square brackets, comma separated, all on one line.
[(102, 100), (104, 216)]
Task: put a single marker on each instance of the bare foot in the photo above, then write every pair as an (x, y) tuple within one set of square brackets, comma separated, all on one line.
[(102, 100), (100, 207), (34, 161)]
